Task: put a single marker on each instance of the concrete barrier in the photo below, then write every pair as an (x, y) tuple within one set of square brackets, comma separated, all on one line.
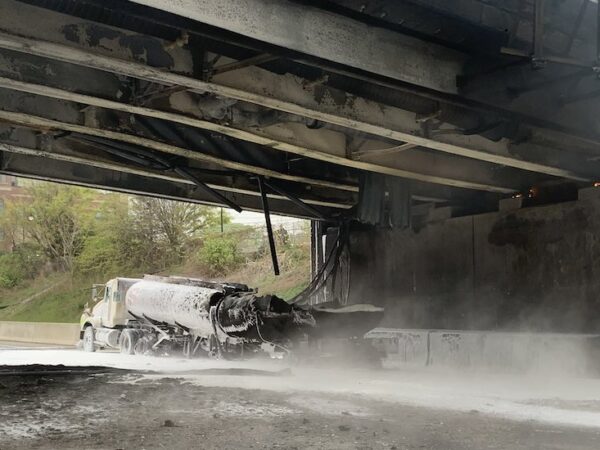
[(40, 332), (407, 347), (569, 354)]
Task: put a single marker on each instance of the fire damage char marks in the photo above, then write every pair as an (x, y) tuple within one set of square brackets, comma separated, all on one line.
[(519, 231), (513, 230), (143, 49)]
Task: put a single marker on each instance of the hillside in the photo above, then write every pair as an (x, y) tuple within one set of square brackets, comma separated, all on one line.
[(60, 298), (58, 240)]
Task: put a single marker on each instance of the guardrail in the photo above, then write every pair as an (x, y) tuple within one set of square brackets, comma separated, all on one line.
[(40, 332)]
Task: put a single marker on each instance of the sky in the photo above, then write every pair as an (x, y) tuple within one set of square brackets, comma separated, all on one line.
[(254, 218)]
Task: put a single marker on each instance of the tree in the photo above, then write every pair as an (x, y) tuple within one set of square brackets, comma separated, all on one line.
[(108, 248), (105, 234), (55, 217), (172, 222), (219, 253), (137, 234)]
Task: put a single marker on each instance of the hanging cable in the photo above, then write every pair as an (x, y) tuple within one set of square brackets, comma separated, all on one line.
[(328, 269)]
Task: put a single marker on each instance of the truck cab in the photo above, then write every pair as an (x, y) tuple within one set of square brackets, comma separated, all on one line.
[(107, 311)]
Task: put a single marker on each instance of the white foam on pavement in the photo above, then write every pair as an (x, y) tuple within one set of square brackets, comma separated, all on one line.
[(540, 398)]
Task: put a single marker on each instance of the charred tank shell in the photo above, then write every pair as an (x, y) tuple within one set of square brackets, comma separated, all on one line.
[(266, 318)]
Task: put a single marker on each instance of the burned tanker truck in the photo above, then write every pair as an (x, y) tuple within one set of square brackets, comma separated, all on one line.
[(163, 315)]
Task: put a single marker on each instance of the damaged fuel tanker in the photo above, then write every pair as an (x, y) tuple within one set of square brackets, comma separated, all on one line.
[(228, 320)]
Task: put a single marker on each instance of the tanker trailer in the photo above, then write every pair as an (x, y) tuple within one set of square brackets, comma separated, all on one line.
[(167, 314)]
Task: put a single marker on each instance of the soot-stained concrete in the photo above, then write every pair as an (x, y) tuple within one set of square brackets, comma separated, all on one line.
[(534, 269)]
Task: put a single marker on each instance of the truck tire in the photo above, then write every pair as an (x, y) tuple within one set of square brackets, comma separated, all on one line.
[(142, 346), (127, 342), (88, 339)]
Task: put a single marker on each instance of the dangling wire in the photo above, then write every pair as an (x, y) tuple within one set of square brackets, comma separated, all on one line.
[(328, 269)]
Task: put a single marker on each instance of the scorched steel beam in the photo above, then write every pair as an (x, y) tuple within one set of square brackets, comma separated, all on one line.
[(41, 123), (254, 136), (266, 89), (105, 164), (332, 37)]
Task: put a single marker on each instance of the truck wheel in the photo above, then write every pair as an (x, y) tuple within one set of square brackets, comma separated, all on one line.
[(188, 347), (127, 342), (141, 347), (88, 339)]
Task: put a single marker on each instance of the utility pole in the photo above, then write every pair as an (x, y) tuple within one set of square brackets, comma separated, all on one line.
[(221, 220)]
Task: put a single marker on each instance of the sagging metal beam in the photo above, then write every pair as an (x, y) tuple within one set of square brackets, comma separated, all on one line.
[(70, 173), (199, 184), (42, 123), (267, 213), (105, 164), (164, 164), (315, 32), (289, 95), (255, 136), (293, 199)]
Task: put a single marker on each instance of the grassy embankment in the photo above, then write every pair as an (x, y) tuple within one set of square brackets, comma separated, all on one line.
[(60, 298)]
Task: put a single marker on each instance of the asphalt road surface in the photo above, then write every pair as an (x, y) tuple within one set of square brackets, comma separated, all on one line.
[(172, 403)]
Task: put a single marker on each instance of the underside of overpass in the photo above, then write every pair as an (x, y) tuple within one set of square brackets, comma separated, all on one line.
[(410, 122)]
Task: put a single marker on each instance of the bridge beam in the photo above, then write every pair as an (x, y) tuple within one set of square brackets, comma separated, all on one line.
[(326, 36)]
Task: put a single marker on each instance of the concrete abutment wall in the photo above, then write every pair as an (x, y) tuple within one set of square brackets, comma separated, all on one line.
[(532, 269)]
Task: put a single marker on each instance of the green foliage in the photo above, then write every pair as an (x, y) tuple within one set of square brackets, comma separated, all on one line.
[(10, 275), (55, 218), (21, 264), (219, 254), (103, 252), (62, 303), (173, 224), (142, 235), (65, 238)]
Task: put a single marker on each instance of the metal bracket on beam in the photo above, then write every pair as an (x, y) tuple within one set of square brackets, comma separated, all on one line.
[(538, 58), (550, 58)]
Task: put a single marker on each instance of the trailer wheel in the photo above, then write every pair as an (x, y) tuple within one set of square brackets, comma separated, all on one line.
[(127, 342), (188, 347), (141, 347), (88, 339)]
